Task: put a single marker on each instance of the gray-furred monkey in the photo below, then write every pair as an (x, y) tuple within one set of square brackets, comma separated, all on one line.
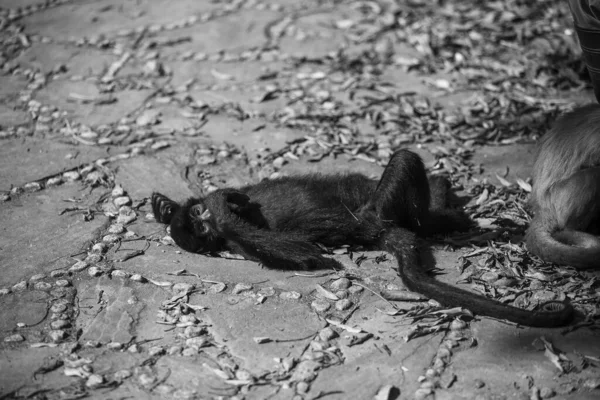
[(566, 191)]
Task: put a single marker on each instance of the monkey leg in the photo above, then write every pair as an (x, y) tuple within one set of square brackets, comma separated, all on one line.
[(402, 194), (439, 187)]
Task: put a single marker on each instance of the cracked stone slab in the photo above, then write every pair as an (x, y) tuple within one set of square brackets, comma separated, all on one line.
[(504, 358), (234, 317), (373, 366), (111, 310), (35, 239), (249, 135), (253, 73), (19, 365), (24, 160), (83, 62), (57, 94), (109, 17), (163, 171), (217, 35), (12, 312)]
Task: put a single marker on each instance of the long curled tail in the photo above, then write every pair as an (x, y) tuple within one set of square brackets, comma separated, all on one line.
[(562, 246), (402, 243)]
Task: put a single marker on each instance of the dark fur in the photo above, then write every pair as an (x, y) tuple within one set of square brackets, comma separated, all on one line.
[(566, 191), (278, 222)]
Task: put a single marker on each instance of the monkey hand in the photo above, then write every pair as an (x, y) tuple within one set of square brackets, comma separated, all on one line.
[(236, 201)]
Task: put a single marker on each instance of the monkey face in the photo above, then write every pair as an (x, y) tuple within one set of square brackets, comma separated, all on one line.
[(191, 224)]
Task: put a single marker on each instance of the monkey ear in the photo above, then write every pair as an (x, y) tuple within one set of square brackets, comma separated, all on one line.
[(163, 208)]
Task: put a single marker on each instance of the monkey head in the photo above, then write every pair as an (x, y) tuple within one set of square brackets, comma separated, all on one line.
[(191, 223)]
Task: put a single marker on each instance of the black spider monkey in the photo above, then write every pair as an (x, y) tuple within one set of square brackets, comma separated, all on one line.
[(278, 222)]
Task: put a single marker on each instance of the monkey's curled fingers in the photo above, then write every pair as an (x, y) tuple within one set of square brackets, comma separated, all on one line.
[(235, 200)]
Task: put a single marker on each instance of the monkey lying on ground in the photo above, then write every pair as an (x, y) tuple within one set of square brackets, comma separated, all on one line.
[(278, 222), (566, 191)]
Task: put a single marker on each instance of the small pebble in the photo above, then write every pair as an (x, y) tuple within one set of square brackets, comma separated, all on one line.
[(174, 350), (114, 346), (122, 201), (19, 287), (241, 287), (327, 334), (37, 277), (126, 215), (189, 352), (14, 338), (146, 379), (343, 304), (111, 238), (93, 258), (302, 387), (290, 295), (217, 287), (119, 273), (341, 294), (592, 383), (163, 389), (457, 324), (266, 292), (62, 283), (547, 393), (32, 187), (355, 289), (57, 335), (193, 331), (4, 291), (122, 374), (60, 324), (71, 176), (320, 305), (117, 191), (99, 248), (78, 266), (137, 278), (422, 393), (94, 380), (94, 271), (91, 344), (197, 342), (42, 286), (57, 273), (182, 287), (116, 229), (134, 348), (156, 350), (342, 283), (58, 307), (479, 383)]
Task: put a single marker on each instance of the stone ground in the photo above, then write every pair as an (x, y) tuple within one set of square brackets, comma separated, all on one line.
[(103, 102)]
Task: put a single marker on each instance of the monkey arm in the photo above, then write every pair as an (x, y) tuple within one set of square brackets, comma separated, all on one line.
[(276, 249)]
